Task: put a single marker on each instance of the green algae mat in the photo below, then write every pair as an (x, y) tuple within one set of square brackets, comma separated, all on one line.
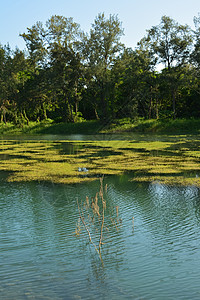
[(174, 162)]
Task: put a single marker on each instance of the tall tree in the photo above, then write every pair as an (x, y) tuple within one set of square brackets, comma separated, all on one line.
[(102, 46), (11, 63), (35, 40), (64, 38), (196, 53), (195, 59), (54, 48), (134, 84), (171, 44)]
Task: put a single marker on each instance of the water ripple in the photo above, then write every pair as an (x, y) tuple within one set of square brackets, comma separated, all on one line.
[(153, 257)]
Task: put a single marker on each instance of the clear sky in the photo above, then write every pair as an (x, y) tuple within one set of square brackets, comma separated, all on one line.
[(136, 15)]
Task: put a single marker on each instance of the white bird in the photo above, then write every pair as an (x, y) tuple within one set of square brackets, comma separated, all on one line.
[(82, 169)]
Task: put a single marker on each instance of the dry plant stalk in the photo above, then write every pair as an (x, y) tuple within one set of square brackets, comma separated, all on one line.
[(86, 228), (117, 210), (103, 208), (93, 210), (91, 214), (87, 201), (106, 188)]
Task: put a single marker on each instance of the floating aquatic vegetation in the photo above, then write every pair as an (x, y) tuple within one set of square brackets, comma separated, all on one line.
[(175, 162)]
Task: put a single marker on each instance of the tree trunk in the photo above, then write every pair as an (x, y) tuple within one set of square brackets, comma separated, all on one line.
[(103, 99), (44, 111), (71, 113), (157, 113), (4, 116), (150, 108), (96, 114), (76, 102), (174, 104), (25, 117)]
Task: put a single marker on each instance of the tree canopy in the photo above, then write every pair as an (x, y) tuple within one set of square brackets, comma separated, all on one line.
[(69, 75)]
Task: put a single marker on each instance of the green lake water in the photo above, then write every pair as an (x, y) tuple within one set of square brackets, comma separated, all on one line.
[(42, 258)]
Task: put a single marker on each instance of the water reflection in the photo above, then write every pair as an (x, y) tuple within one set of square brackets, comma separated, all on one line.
[(128, 136), (42, 258)]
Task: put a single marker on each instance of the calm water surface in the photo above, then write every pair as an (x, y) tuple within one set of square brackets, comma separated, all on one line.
[(41, 258)]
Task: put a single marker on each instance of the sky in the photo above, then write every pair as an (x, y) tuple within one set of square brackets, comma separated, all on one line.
[(136, 16)]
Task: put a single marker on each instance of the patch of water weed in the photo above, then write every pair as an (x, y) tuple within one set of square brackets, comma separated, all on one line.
[(46, 161)]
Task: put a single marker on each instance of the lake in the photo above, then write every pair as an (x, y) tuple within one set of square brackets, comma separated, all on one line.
[(157, 257)]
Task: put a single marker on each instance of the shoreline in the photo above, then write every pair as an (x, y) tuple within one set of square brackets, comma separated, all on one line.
[(177, 126)]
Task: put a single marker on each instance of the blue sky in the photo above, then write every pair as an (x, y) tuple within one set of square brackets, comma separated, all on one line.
[(136, 15)]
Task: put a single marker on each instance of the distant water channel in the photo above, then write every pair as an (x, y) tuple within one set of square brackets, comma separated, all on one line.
[(157, 258)]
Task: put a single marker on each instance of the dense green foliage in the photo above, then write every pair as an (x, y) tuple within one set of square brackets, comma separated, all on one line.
[(67, 75)]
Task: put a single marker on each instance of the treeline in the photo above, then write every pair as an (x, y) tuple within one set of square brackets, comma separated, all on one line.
[(68, 75)]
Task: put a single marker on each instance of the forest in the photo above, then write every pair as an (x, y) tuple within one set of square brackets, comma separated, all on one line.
[(67, 75)]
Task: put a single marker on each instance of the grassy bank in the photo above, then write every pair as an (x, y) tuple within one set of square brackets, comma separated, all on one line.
[(48, 127), (178, 126)]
